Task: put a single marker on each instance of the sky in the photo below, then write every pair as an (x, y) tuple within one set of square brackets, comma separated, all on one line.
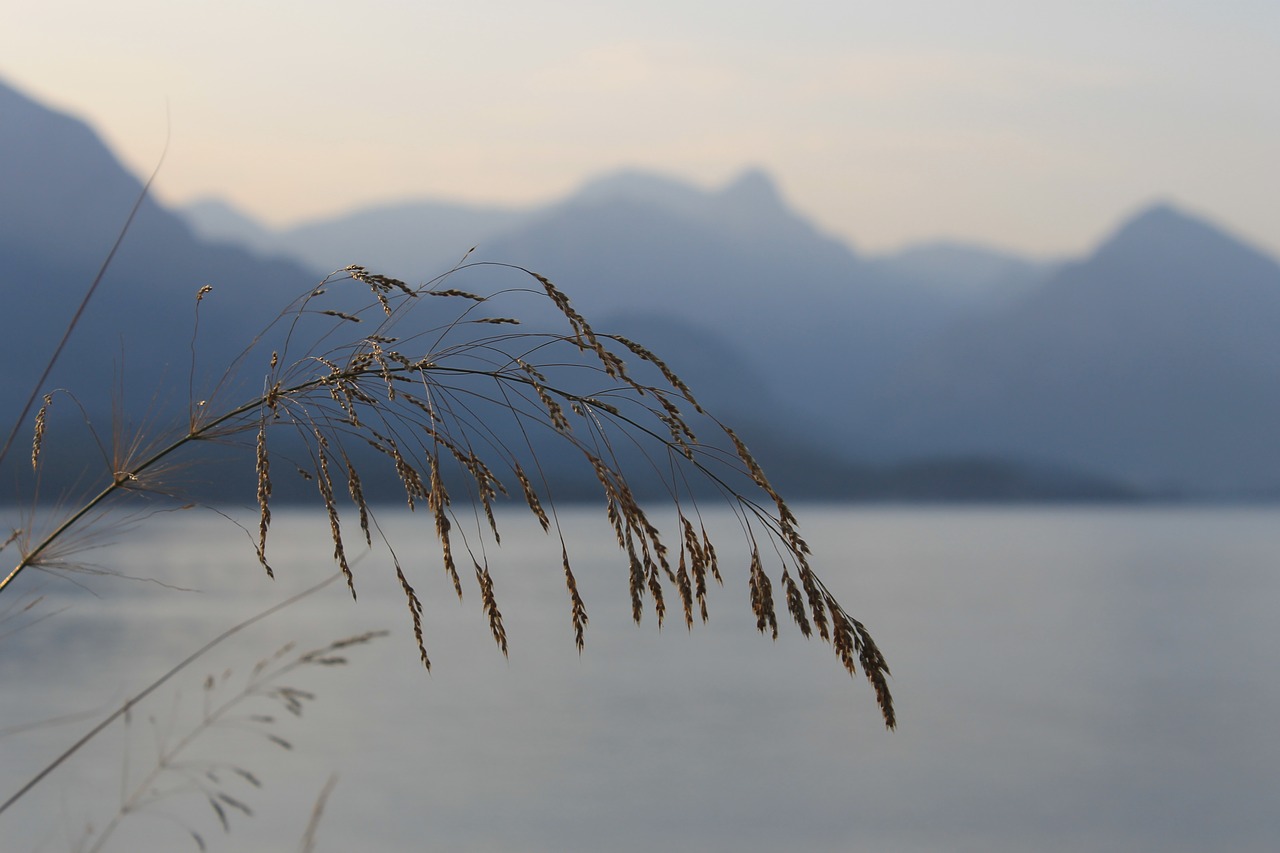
[(1034, 127)]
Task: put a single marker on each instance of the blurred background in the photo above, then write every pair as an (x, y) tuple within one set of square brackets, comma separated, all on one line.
[(999, 251), (990, 289)]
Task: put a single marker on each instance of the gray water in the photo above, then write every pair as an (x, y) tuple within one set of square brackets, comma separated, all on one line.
[(1066, 680)]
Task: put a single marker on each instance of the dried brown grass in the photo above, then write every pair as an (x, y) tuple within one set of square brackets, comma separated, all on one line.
[(424, 388)]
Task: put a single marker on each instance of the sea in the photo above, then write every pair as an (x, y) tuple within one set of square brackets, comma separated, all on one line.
[(1065, 679)]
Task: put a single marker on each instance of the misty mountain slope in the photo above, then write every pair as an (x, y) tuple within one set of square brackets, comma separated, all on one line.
[(66, 198), (719, 373), (141, 325), (748, 209), (1156, 359), (749, 219), (412, 240), (214, 220), (736, 259), (65, 195), (817, 322), (415, 240), (958, 271)]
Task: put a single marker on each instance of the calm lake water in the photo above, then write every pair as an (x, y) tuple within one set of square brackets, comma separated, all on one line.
[(1066, 680)]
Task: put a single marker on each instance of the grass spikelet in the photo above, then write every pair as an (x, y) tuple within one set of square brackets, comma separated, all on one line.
[(490, 606), (325, 484), (37, 438), (842, 641), (438, 500), (453, 291), (341, 315), (221, 814), (409, 476), (380, 286), (753, 467), (713, 565), (377, 356), (238, 805), (443, 527), (685, 587), (356, 490), (487, 487), (854, 647), (795, 603), (699, 561), (655, 588), (667, 373), (531, 498), (468, 393), (817, 601), (637, 579), (583, 335), (263, 466), (554, 410), (247, 776), (378, 283), (875, 668), (415, 611), (762, 597), (577, 608)]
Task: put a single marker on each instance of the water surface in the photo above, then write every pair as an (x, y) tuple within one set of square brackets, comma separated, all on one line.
[(1066, 680)]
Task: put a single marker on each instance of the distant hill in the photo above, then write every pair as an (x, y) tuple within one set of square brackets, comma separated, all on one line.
[(815, 320), (1156, 358), (216, 221), (65, 199), (941, 371), (412, 240), (138, 343), (1150, 362), (798, 307), (956, 270)]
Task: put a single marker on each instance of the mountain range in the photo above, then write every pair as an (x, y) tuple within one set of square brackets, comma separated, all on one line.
[(1147, 367)]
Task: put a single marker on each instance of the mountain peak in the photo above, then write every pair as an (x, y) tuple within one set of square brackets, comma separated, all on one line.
[(638, 185), (64, 190), (1163, 228), (1160, 217), (753, 188)]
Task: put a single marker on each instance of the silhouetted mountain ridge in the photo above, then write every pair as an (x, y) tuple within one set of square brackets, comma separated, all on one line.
[(66, 199), (1156, 357), (1150, 364)]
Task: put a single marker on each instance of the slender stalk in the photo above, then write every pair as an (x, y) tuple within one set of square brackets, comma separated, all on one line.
[(84, 303), (145, 791), (358, 389), (151, 688), (121, 479)]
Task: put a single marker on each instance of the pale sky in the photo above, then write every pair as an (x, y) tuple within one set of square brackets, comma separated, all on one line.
[(1034, 126)]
